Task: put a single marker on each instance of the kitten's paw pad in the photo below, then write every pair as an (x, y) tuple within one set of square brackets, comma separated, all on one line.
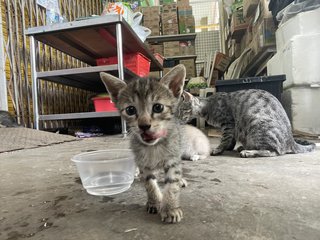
[(216, 152), (171, 215), (183, 183), (152, 208), (195, 158)]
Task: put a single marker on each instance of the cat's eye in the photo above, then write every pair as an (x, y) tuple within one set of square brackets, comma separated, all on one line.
[(157, 108), (131, 110)]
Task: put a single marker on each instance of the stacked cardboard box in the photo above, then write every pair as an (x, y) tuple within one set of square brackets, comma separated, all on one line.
[(151, 19), (239, 24), (249, 7), (186, 48), (186, 20), (169, 19), (182, 3), (171, 49), (156, 48), (190, 67), (263, 28), (251, 27)]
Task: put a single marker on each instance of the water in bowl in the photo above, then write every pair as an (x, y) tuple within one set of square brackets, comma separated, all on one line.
[(108, 183)]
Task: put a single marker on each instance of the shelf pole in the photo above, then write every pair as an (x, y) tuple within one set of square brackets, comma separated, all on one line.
[(120, 68), (34, 83)]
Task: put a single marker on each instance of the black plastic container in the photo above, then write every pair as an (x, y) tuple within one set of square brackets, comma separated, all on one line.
[(272, 84)]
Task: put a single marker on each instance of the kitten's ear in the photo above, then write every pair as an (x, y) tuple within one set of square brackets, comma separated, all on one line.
[(187, 96), (174, 79), (112, 84)]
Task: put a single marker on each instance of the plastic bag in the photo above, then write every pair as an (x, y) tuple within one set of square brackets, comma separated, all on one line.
[(142, 32), (296, 7), (133, 19)]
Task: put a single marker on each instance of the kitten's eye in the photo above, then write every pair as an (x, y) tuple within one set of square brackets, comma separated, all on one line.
[(131, 110), (157, 108)]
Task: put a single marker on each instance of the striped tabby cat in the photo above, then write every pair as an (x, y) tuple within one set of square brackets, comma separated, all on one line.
[(148, 106), (7, 120), (253, 117)]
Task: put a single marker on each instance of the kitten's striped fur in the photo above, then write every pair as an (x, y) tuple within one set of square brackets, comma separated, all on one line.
[(253, 117), (148, 106)]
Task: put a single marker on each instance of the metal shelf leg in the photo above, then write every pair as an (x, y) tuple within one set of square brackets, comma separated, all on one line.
[(120, 68), (33, 47)]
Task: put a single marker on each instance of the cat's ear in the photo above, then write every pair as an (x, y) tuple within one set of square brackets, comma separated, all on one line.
[(187, 96), (174, 79), (112, 84)]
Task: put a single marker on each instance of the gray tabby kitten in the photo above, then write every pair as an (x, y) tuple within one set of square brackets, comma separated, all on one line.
[(253, 117), (6, 120), (148, 106)]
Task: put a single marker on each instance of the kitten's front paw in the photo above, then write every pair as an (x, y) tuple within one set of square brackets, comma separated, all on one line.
[(216, 151), (194, 158), (183, 183), (171, 215), (247, 153), (152, 208)]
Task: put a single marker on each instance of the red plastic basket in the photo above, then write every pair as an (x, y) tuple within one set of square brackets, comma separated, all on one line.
[(135, 62), (104, 104)]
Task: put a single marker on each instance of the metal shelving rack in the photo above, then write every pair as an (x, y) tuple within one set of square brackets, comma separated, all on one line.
[(85, 40)]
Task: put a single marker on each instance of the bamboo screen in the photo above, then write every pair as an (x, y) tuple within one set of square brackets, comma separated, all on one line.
[(18, 15)]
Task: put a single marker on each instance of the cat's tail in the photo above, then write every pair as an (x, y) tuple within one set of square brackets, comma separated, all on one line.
[(303, 146)]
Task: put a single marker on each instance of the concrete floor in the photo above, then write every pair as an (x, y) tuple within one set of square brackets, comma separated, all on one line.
[(227, 198)]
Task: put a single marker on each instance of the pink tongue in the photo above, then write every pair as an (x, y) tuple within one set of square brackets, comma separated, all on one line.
[(153, 136)]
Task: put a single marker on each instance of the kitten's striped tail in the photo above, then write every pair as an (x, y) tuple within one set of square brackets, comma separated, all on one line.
[(303, 146)]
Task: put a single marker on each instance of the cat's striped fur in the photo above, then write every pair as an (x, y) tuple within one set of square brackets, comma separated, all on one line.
[(148, 106), (7, 120), (253, 117)]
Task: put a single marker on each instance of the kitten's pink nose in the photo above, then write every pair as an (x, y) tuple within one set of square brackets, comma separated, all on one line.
[(144, 127)]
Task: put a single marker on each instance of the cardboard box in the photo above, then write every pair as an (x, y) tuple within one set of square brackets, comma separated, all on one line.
[(265, 33), (186, 20), (169, 8), (186, 24), (162, 2), (249, 7), (190, 68), (239, 24), (149, 12), (171, 48), (156, 48), (154, 26), (169, 18), (170, 29), (183, 3), (261, 12), (221, 61), (187, 48)]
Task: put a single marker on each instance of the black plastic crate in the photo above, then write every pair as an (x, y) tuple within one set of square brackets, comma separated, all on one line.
[(272, 84)]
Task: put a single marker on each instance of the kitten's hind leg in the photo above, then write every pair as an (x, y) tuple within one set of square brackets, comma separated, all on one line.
[(257, 153), (153, 191), (240, 148)]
